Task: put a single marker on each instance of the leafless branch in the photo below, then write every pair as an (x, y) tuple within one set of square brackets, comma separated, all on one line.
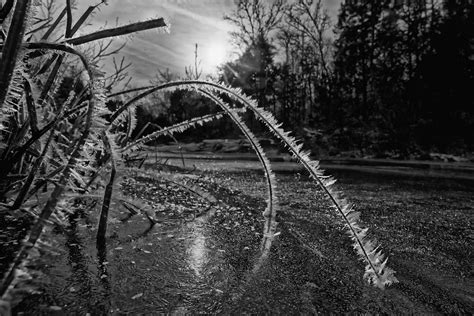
[(256, 19)]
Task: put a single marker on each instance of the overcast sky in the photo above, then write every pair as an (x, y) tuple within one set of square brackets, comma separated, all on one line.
[(192, 21)]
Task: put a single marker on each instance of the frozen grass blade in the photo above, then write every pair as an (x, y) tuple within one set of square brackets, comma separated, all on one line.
[(104, 213), (12, 46), (270, 212), (58, 190), (68, 32), (170, 130), (6, 8), (272, 201), (376, 271), (31, 106)]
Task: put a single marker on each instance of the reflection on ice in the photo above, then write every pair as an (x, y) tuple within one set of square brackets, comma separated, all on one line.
[(196, 248), (198, 252)]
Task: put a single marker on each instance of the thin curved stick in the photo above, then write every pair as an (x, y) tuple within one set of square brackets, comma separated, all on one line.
[(118, 31)]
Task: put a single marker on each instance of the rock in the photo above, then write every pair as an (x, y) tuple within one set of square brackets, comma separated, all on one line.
[(446, 157), (192, 147), (231, 149)]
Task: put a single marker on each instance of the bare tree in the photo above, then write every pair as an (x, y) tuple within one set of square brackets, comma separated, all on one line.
[(256, 19), (307, 47), (308, 23), (195, 71)]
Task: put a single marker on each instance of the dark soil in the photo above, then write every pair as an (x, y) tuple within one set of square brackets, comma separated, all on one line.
[(199, 256)]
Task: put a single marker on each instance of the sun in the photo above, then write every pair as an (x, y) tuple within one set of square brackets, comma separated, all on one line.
[(213, 55)]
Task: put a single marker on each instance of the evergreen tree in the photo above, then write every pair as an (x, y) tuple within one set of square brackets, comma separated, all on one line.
[(447, 78)]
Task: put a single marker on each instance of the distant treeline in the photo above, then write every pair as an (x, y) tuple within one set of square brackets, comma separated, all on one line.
[(387, 76)]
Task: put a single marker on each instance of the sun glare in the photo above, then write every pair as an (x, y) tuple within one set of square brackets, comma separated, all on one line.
[(214, 54)]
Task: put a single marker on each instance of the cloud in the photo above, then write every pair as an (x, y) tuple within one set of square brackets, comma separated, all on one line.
[(208, 13)]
